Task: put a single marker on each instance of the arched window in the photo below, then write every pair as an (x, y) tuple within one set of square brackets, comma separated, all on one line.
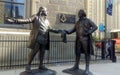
[(11, 9)]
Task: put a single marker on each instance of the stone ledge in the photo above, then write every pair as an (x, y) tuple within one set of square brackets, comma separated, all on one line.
[(14, 29)]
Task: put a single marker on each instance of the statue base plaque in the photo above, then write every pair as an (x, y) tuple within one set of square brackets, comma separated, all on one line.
[(76, 72), (38, 72)]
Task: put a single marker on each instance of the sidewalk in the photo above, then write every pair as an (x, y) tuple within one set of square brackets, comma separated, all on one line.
[(97, 69)]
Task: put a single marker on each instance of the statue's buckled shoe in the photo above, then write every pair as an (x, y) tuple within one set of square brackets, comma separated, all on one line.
[(28, 68), (43, 68), (74, 68)]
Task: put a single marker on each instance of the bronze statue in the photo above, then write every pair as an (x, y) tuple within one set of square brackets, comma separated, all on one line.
[(84, 27), (39, 35)]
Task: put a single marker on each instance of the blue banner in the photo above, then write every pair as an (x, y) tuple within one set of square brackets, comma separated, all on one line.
[(109, 7)]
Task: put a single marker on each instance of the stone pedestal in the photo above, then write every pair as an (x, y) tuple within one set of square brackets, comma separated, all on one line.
[(76, 72), (38, 72)]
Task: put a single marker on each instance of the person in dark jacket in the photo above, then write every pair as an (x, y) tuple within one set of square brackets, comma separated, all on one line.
[(39, 35), (84, 28)]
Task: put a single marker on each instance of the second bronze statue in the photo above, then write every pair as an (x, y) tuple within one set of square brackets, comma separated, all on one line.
[(84, 28)]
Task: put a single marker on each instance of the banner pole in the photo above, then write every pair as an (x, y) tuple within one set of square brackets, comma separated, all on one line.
[(105, 20)]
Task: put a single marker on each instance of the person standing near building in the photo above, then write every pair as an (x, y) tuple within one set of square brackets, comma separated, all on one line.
[(39, 35), (84, 28)]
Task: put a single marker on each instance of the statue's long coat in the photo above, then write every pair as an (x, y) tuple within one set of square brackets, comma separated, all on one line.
[(88, 28), (38, 26)]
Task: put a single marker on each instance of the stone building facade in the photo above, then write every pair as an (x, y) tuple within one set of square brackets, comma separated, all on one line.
[(55, 7), (96, 12)]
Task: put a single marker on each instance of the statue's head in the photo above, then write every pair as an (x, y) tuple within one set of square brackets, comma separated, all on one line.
[(42, 11), (81, 13)]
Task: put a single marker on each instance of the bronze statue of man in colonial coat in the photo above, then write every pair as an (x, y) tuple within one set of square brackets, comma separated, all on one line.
[(84, 27), (39, 35)]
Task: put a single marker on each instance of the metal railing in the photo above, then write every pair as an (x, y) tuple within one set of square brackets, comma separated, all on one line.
[(14, 51)]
